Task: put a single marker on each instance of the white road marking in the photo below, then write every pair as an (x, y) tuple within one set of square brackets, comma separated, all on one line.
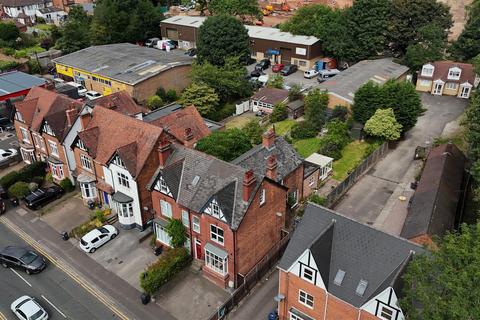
[(2, 316), (21, 277), (50, 303)]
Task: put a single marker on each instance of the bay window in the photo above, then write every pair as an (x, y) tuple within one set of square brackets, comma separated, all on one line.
[(215, 262), (88, 190), (125, 209)]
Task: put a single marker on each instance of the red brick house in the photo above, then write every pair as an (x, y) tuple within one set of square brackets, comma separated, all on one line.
[(336, 268), (225, 208), (41, 123)]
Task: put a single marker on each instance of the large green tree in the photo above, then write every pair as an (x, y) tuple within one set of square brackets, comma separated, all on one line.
[(443, 284), (225, 144), (366, 101), (221, 37), (74, 34), (306, 20), (383, 125), (429, 47), (124, 21), (276, 81), (9, 31), (201, 96), (245, 9), (316, 103), (467, 45), (254, 131)]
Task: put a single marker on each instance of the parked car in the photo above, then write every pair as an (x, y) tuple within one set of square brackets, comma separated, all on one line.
[(3, 193), (326, 74), (291, 68), (22, 258), (152, 42), (278, 67), (6, 124), (263, 65), (309, 74), (81, 89), (7, 154), (163, 44), (92, 95), (42, 196), (97, 238), (2, 207), (192, 52), (27, 308), (256, 73)]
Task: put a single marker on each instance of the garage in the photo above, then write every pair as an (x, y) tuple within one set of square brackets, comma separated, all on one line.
[(172, 34), (286, 56)]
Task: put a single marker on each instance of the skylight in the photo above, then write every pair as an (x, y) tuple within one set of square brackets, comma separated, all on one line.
[(339, 277), (362, 286), (195, 180)]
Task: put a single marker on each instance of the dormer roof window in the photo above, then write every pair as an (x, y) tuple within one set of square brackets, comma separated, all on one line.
[(454, 73), (427, 70)]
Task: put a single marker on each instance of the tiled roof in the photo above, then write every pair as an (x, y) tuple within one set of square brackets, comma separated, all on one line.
[(119, 101), (270, 95), (434, 206), (441, 71), (362, 252), (110, 132), (22, 3)]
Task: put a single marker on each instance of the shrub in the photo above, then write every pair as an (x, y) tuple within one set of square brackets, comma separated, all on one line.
[(100, 215), (34, 67), (176, 230), (20, 54), (279, 113), (32, 186), (36, 169), (8, 65), (67, 185), (171, 262), (315, 198), (19, 189), (154, 102), (38, 180), (85, 228), (303, 130), (330, 146), (224, 112), (339, 112), (8, 51), (41, 20), (9, 179), (49, 177), (161, 93), (295, 92), (170, 96)]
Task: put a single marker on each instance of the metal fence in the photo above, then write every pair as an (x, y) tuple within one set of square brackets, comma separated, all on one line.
[(252, 278), (343, 187)]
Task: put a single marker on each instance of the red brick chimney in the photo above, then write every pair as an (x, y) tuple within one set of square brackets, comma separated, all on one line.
[(71, 114), (272, 167), (248, 185), (85, 119), (269, 138), (163, 151), (188, 134)]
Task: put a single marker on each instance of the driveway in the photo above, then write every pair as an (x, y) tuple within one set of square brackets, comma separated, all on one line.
[(374, 199), (294, 78)]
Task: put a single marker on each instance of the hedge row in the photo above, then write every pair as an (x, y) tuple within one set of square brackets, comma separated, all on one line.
[(171, 262), (26, 174)]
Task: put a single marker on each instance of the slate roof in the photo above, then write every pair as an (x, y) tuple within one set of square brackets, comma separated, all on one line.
[(50, 10), (347, 82), (270, 95), (109, 133), (256, 158), (217, 179), (434, 206), (364, 253), (441, 68), (124, 62), (119, 101), (15, 81)]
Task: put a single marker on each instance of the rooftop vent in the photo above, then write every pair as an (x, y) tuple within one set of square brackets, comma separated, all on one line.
[(195, 180), (362, 286), (339, 277)]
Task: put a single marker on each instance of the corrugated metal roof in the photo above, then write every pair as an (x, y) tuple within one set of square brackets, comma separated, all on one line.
[(11, 82)]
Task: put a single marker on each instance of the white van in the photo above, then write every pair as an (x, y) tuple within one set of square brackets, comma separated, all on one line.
[(81, 89), (309, 74), (327, 73)]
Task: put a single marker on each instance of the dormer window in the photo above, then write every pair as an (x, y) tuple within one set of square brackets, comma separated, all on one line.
[(427, 70), (81, 145), (215, 210), (118, 162), (454, 73), (18, 116)]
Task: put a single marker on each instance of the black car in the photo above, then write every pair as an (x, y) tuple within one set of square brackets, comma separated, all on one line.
[(289, 70), (191, 52), (6, 124), (3, 193), (2, 207), (256, 73), (42, 196), (262, 65), (22, 258)]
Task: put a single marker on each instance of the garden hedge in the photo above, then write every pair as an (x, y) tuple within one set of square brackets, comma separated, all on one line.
[(28, 173), (19, 189)]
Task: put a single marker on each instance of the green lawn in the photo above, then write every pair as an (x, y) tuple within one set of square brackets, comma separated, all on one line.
[(352, 155), (239, 121), (43, 26), (283, 127), (306, 147)]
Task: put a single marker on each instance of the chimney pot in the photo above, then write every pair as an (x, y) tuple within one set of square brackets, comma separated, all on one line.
[(272, 167), (248, 185), (71, 114), (268, 140), (163, 151)]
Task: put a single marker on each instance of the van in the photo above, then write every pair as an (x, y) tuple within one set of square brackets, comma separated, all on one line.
[(325, 74), (81, 89)]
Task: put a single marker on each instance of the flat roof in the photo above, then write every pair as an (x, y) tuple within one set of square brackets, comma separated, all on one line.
[(256, 32), (319, 159), (347, 82), (15, 81), (124, 62)]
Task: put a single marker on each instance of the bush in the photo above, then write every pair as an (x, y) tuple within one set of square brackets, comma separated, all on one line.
[(224, 112), (177, 232), (49, 177), (171, 262), (38, 180), (67, 185), (20, 54), (41, 20), (170, 96), (9, 179), (8, 51), (279, 113), (100, 215), (315, 198), (161, 93), (34, 67), (85, 228), (8, 65), (303, 130), (19, 189), (26, 174), (154, 102), (339, 112), (331, 147), (32, 186)]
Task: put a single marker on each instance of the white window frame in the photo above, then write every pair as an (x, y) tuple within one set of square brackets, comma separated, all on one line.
[(163, 186), (451, 86), (123, 180), (196, 223), (53, 148), (454, 74), (215, 263), (295, 317), (125, 209), (57, 171), (311, 180), (162, 235), (424, 82), (86, 162), (464, 94), (427, 71), (89, 191), (215, 210), (166, 208), (217, 234), (380, 313), (118, 162), (306, 299), (185, 218), (303, 274), (25, 135), (263, 197)]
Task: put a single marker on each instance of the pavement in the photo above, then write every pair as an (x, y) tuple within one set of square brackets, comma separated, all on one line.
[(53, 289), (374, 199)]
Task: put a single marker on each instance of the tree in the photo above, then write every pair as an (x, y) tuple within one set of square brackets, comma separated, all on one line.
[(335, 140), (467, 45), (225, 144), (124, 21), (476, 64), (303, 130), (366, 101), (473, 127), (429, 47), (245, 9), (276, 81), (9, 31), (177, 233), (75, 32), (279, 113), (307, 20), (295, 92), (316, 103), (339, 112), (384, 125), (154, 102), (201, 96), (254, 131), (441, 284), (220, 37)]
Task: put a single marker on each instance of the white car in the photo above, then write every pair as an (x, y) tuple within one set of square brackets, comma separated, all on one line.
[(26, 308), (309, 74), (92, 95), (81, 89), (7, 154), (97, 238)]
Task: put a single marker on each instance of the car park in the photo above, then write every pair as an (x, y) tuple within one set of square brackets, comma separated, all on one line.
[(27, 308), (291, 68), (23, 259), (92, 95), (256, 73), (309, 74), (81, 89), (163, 44), (7, 154), (97, 238), (42, 196), (326, 74), (6, 124), (263, 65), (152, 42), (278, 67)]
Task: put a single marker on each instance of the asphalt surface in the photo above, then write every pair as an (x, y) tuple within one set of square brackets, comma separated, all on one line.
[(8, 140), (53, 289)]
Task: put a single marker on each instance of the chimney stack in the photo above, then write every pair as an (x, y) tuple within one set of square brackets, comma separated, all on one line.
[(268, 140), (85, 119), (248, 185), (71, 114), (272, 167), (188, 134), (163, 151)]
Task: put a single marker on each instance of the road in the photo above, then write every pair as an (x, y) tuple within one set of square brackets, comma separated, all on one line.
[(53, 289)]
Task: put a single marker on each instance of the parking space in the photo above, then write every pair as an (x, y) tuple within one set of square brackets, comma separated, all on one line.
[(294, 78)]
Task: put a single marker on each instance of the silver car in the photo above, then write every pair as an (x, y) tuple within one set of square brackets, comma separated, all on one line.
[(26, 308)]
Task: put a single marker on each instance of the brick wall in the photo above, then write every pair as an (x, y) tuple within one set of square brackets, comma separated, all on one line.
[(294, 181), (307, 188), (334, 100), (61, 153), (143, 178)]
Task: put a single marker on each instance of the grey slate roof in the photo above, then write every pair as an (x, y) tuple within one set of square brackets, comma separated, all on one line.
[(124, 62), (364, 253), (347, 82), (256, 158), (15, 81), (434, 206)]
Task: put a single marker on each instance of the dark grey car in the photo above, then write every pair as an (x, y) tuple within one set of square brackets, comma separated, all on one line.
[(22, 258)]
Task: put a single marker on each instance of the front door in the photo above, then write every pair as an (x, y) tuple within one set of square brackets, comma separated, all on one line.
[(198, 249), (105, 198), (465, 92), (438, 88)]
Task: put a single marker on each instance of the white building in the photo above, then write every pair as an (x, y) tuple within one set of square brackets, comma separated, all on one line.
[(14, 8), (52, 14)]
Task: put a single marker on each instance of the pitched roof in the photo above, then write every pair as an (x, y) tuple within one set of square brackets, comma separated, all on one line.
[(434, 206), (256, 158), (270, 95), (119, 101), (21, 3), (110, 133), (182, 120), (340, 243), (441, 69)]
